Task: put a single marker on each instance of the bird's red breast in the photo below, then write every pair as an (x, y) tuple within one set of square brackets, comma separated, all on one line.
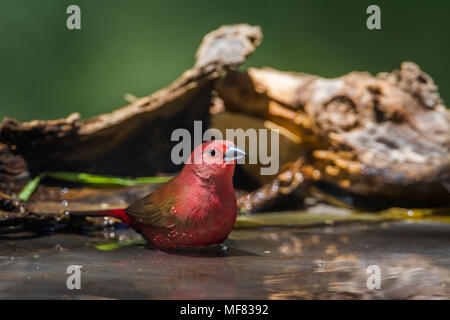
[(197, 207)]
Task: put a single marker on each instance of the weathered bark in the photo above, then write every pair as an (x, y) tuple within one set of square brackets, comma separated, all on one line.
[(285, 183), (386, 136), (10, 165)]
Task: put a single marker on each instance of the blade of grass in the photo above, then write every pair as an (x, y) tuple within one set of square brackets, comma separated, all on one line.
[(28, 190), (107, 180), (31, 186), (298, 218), (117, 245)]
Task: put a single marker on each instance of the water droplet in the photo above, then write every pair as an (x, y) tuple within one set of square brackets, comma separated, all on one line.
[(65, 203), (288, 175), (299, 176), (275, 187)]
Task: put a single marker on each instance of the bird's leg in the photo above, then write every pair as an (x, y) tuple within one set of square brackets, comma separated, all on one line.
[(223, 247)]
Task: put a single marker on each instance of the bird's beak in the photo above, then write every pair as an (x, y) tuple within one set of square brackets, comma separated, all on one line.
[(233, 153)]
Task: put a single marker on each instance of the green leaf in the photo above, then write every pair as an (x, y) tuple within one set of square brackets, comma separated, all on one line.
[(106, 180), (299, 218), (117, 245), (28, 190)]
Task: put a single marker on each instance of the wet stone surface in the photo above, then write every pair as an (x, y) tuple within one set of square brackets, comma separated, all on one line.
[(316, 262)]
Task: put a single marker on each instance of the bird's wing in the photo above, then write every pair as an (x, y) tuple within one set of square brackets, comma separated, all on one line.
[(150, 213)]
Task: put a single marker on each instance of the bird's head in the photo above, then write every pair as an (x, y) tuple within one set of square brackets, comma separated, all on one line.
[(214, 159)]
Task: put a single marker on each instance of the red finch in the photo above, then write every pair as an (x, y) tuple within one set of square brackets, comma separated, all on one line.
[(196, 208)]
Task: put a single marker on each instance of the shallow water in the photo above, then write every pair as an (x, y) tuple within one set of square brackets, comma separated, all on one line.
[(307, 262)]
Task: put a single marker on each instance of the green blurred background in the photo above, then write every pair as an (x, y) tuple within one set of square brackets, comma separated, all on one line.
[(48, 71)]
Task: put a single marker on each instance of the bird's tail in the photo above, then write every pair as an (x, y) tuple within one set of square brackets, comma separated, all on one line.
[(115, 213)]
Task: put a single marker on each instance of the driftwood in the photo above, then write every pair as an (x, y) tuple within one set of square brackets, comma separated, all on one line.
[(384, 137), (11, 165)]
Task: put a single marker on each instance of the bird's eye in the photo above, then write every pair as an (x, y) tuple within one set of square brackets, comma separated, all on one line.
[(212, 152)]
